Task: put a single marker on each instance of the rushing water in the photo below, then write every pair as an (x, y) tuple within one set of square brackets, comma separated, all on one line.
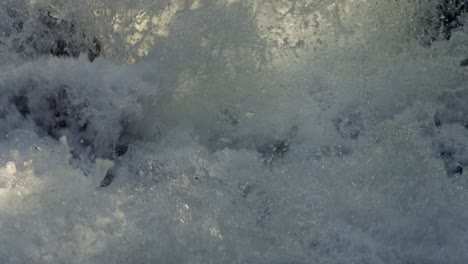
[(255, 131)]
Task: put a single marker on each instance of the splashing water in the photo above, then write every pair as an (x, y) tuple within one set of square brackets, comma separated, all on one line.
[(233, 131)]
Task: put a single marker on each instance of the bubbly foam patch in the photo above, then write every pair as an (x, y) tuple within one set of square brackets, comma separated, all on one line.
[(241, 132)]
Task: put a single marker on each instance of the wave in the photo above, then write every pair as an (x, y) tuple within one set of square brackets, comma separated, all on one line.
[(232, 131)]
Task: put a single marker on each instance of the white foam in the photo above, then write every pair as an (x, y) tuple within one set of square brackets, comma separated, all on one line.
[(246, 145)]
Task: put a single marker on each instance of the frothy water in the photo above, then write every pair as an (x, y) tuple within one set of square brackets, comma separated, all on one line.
[(233, 132)]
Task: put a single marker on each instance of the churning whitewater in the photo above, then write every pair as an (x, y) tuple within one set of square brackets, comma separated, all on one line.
[(256, 131)]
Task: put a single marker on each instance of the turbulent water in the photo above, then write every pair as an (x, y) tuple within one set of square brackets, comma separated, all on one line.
[(256, 131)]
